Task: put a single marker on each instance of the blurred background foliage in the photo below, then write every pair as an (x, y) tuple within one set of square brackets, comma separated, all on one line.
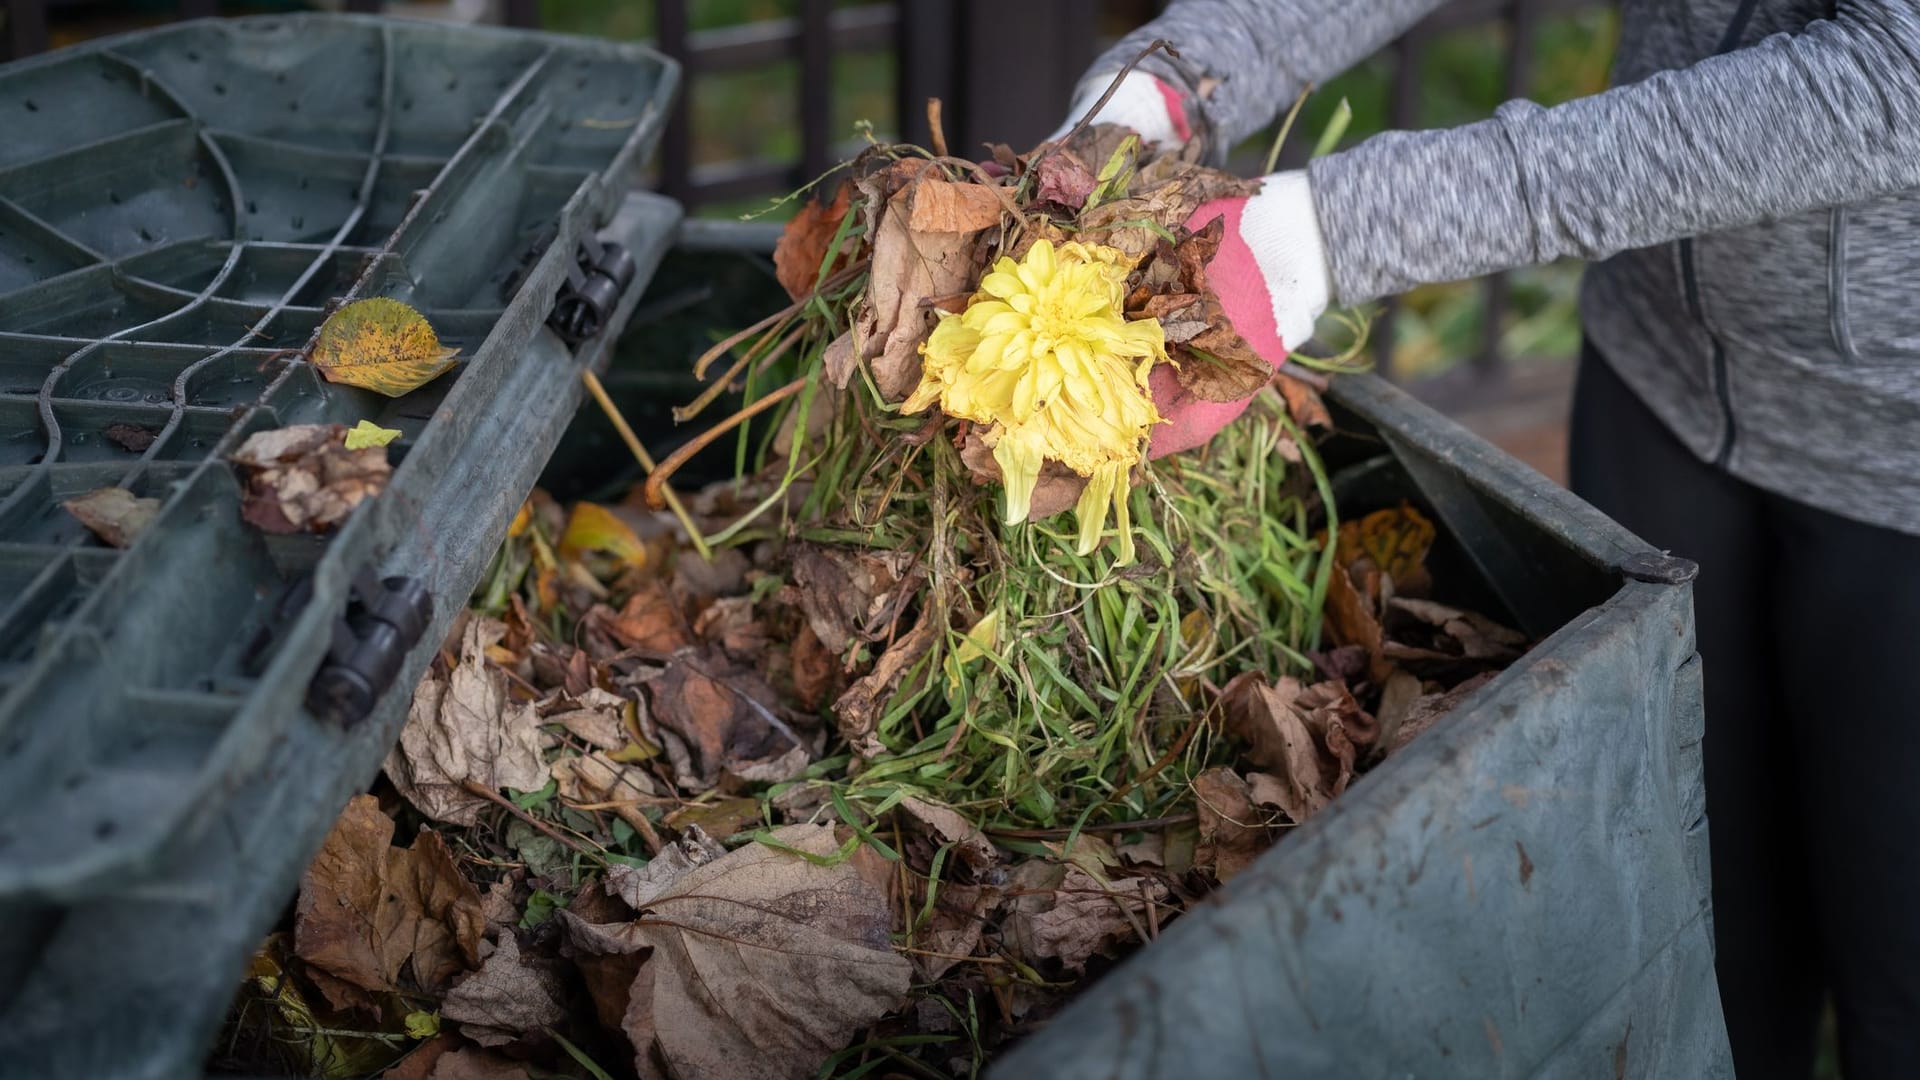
[(1462, 79)]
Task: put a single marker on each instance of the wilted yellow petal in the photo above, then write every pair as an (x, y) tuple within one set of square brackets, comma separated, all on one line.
[(367, 433), (1046, 357), (982, 638), (380, 345)]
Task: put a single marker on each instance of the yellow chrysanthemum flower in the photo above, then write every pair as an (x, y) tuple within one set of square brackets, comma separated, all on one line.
[(1045, 355)]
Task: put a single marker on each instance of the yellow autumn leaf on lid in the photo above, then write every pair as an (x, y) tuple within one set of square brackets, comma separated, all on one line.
[(380, 345), (367, 433)]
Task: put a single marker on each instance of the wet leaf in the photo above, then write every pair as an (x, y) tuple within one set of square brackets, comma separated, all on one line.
[(760, 963), (1396, 539), (592, 528), (465, 728), (114, 514), (804, 242), (506, 999), (380, 345), (381, 918), (304, 479), (130, 437), (367, 433)]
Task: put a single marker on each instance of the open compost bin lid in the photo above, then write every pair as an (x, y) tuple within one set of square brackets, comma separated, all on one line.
[(180, 210)]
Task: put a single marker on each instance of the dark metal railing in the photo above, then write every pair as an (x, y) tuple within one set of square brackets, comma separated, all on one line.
[(1007, 87)]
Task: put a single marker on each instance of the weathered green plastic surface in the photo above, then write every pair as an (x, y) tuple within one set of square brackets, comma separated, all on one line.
[(178, 209), (1522, 892)]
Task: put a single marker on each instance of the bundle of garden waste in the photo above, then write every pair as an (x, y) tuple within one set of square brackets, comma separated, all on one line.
[(863, 761)]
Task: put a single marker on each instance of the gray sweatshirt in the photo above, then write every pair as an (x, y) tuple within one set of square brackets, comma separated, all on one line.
[(1749, 191)]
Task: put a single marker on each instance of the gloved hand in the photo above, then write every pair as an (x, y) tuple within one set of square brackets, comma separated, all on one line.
[(1272, 278), (1157, 110)]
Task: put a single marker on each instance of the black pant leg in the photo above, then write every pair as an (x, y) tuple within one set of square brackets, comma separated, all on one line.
[(1847, 623), (1626, 463)]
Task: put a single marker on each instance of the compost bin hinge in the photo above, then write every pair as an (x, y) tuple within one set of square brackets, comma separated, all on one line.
[(385, 618), (599, 273)]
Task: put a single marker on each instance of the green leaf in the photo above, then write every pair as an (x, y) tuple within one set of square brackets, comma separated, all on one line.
[(540, 908), (1335, 130), (533, 800), (423, 1025)]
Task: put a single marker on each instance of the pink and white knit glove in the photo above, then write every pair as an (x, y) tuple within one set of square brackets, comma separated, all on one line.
[(1272, 279), (1155, 109), (1271, 270)]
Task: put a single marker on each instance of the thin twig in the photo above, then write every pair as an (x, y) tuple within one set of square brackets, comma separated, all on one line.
[(1111, 826), (727, 343), (645, 459), (933, 125), (492, 796), (1112, 88), (655, 489), (683, 413)]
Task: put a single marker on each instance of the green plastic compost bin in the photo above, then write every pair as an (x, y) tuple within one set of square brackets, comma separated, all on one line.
[(181, 720), (1521, 892)]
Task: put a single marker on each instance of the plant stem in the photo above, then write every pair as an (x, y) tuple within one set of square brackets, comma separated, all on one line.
[(645, 459), (656, 489)]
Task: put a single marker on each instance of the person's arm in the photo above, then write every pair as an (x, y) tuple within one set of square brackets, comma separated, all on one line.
[(1241, 62), (1824, 117)]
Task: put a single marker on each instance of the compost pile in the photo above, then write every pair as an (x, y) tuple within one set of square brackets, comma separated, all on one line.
[(863, 761)]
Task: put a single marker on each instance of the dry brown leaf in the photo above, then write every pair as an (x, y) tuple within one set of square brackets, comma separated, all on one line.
[(857, 711), (465, 728), (506, 999), (954, 929), (421, 1060), (844, 591), (1351, 621), (1303, 401), (596, 717), (471, 1064), (1064, 914), (1063, 179), (816, 671), (942, 206), (1428, 709), (114, 514), (839, 361), (759, 963), (1475, 636), (594, 779), (1217, 364), (1397, 699), (724, 716), (947, 826), (651, 620), (804, 242), (731, 623), (910, 270), (1279, 740), (638, 886), (1232, 832), (304, 479), (1057, 491), (380, 918)]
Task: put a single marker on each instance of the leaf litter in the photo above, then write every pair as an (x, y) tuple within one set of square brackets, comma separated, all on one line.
[(887, 779)]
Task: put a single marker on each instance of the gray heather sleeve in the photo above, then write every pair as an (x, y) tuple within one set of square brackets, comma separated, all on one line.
[(1825, 117), (1251, 58)]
